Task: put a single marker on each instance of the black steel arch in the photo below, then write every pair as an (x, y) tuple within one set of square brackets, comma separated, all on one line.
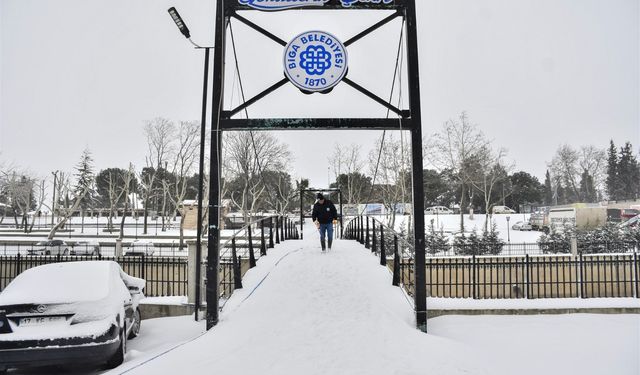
[(409, 120)]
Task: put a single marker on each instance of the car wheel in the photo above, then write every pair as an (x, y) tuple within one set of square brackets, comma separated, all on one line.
[(47, 252), (135, 325), (65, 252), (118, 357)]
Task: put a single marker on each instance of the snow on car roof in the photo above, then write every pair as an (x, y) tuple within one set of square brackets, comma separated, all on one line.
[(61, 283)]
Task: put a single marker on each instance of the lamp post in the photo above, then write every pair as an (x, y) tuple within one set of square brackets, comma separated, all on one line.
[(508, 230), (185, 31)]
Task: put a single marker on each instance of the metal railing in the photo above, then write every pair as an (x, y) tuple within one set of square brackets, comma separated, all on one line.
[(607, 275), (240, 252), (165, 276)]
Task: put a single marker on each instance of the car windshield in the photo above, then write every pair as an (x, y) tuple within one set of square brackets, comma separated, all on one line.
[(42, 243)]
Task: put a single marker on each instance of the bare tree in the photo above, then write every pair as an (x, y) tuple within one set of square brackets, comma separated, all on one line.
[(393, 173), (454, 148), (489, 170), (19, 190), (159, 133), (41, 195), (347, 165), (247, 155), (183, 162), (126, 191), (569, 164)]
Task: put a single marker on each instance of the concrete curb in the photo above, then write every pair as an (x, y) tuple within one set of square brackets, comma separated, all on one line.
[(434, 313)]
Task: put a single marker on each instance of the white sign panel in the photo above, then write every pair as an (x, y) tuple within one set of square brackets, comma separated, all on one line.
[(315, 61)]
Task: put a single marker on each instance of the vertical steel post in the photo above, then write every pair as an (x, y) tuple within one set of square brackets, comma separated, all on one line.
[(277, 229), (237, 276), (252, 255), (301, 213), (366, 239), (213, 249), (263, 244), (203, 122), (271, 233), (396, 262), (417, 173), (341, 220), (373, 242), (383, 255)]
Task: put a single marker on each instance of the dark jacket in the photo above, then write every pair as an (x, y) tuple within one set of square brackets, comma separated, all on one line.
[(324, 213)]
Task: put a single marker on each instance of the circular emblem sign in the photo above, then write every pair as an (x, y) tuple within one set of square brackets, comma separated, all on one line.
[(315, 61)]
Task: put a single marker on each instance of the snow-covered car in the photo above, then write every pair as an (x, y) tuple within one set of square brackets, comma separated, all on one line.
[(49, 247), (140, 247), (438, 210), (69, 313), (502, 210), (86, 248), (521, 225)]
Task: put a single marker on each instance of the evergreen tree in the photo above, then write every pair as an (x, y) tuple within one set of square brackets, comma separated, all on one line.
[(587, 188), (612, 172), (628, 174), (548, 191), (436, 241), (85, 183)]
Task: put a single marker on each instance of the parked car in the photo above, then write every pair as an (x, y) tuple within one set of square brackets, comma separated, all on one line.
[(49, 247), (521, 225), (438, 210), (140, 247), (69, 313), (502, 210), (86, 248)]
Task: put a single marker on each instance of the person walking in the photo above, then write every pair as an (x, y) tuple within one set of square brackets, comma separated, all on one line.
[(324, 216)]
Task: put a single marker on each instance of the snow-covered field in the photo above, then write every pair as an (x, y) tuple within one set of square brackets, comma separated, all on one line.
[(304, 312)]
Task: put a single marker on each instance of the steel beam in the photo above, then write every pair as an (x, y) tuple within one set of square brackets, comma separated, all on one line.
[(316, 124)]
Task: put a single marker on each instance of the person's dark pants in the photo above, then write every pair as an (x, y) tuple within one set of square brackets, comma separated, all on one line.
[(326, 229)]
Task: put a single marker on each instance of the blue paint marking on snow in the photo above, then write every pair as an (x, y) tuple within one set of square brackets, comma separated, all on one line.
[(265, 276)]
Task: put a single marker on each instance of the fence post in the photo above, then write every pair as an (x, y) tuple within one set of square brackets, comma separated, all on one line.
[(237, 277), (396, 262), (252, 255), (142, 266), (473, 276), (263, 245), (18, 265), (366, 240), (383, 256), (635, 267), (581, 293), (526, 277), (373, 240), (271, 233), (277, 229)]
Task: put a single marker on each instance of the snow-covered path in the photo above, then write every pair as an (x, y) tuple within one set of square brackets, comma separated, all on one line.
[(305, 312), (315, 313)]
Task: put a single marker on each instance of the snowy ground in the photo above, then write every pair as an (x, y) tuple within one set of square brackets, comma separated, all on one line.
[(304, 312)]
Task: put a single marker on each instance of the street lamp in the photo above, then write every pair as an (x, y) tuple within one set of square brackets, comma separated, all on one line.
[(185, 31)]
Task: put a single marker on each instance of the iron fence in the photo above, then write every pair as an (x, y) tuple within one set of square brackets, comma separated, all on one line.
[(165, 276), (504, 276)]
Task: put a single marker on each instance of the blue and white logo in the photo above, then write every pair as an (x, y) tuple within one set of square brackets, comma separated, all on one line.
[(315, 61), (281, 4), (287, 4)]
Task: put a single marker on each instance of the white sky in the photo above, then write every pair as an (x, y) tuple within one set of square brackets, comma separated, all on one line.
[(532, 73)]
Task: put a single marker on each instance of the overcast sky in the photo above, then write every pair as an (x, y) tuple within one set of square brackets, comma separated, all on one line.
[(533, 74)]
